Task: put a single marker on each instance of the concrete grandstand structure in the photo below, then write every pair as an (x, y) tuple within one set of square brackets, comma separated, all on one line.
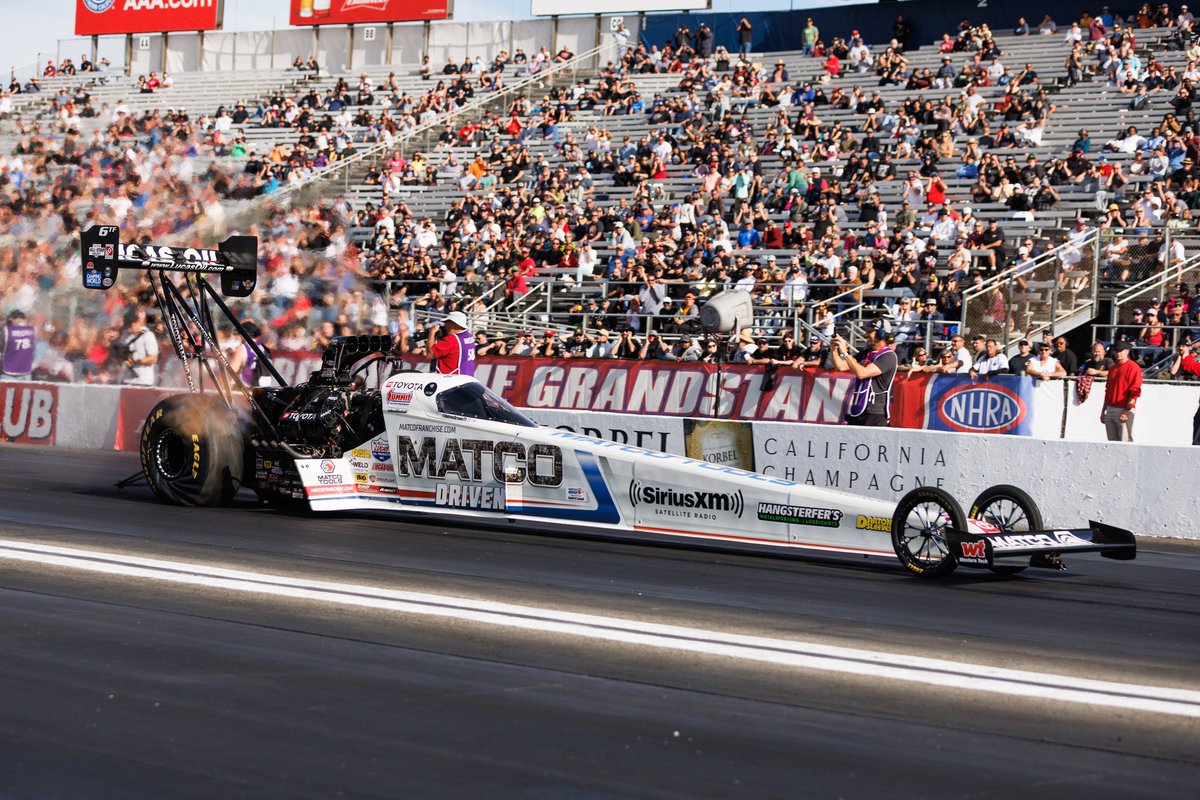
[(305, 166)]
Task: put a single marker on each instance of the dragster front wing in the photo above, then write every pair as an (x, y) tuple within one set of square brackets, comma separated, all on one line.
[(984, 549)]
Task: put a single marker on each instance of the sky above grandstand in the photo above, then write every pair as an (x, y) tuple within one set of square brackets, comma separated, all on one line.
[(38, 30)]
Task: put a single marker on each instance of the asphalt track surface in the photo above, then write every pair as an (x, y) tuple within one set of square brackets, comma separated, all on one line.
[(174, 683)]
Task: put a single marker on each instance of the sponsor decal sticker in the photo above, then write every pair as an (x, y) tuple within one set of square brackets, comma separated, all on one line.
[(91, 279), (360, 452), (882, 524), (479, 460), (973, 552), (380, 450), (327, 466), (800, 515), (486, 498), (1053, 539), (577, 494), (360, 477), (694, 504)]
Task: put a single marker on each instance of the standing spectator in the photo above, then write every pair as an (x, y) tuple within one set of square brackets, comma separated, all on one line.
[(1045, 366), (994, 361), (18, 344), (745, 32), (1066, 356), (871, 398), (1017, 364), (1099, 364), (963, 361), (1121, 393), (140, 351), (809, 36), (454, 353)]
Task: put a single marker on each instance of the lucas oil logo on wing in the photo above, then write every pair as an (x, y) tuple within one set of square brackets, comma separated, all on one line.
[(693, 504)]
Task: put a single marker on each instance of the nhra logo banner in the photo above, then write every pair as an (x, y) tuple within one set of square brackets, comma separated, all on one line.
[(98, 17), (956, 403), (348, 12)]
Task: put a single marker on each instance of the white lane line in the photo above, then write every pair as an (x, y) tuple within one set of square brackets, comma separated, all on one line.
[(799, 654)]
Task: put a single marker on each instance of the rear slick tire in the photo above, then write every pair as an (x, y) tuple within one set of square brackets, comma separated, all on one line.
[(919, 531), (191, 451), (1011, 510)]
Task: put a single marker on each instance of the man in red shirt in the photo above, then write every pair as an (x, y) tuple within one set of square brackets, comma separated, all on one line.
[(1121, 393)]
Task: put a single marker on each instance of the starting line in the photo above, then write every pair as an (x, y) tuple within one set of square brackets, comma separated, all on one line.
[(797, 654)]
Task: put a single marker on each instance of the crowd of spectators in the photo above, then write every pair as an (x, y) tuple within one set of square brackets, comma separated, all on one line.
[(641, 266)]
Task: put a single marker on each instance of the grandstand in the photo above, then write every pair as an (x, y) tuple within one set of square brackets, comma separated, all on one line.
[(308, 164)]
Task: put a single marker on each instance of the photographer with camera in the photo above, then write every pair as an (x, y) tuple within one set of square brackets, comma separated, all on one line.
[(137, 351), (871, 398)]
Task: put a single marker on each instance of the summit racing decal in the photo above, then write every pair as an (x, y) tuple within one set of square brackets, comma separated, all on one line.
[(695, 504), (1054, 539), (469, 459), (800, 515)]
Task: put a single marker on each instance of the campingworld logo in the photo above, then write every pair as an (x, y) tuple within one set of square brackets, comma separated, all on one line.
[(695, 503)]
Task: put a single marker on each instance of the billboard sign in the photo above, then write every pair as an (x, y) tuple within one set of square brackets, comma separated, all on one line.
[(348, 12), (100, 17)]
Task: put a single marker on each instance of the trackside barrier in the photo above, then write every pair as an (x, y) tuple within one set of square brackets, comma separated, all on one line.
[(1144, 488), (1147, 488)]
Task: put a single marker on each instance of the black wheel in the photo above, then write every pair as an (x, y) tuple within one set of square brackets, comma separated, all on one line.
[(1011, 510), (919, 531), (192, 451)]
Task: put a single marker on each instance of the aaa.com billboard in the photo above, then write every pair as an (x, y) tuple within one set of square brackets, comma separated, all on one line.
[(99, 17), (348, 12)]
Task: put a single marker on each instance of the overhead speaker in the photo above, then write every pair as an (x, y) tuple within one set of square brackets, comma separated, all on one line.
[(727, 312)]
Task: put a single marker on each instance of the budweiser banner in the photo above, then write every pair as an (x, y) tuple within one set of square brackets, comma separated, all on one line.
[(346, 12), (98, 17)]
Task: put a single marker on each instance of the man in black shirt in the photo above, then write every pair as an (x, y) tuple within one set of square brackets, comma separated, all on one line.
[(871, 399), (1068, 359), (1016, 364)]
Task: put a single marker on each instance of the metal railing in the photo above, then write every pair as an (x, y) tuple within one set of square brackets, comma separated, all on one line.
[(1055, 292), (407, 139), (1155, 287)]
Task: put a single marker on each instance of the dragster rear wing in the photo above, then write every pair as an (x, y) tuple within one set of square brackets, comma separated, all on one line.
[(103, 254)]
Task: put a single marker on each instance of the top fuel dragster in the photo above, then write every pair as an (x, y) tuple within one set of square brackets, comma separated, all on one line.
[(446, 445)]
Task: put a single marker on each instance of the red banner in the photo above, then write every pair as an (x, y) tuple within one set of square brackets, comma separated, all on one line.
[(29, 412), (135, 405), (98, 17), (679, 389), (346, 12)]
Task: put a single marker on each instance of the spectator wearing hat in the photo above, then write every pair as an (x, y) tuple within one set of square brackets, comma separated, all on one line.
[(1017, 364), (874, 372), (454, 352), (746, 347), (1122, 389)]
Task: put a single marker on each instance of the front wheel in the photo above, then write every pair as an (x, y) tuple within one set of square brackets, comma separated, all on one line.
[(1011, 510), (919, 531), (191, 451)]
